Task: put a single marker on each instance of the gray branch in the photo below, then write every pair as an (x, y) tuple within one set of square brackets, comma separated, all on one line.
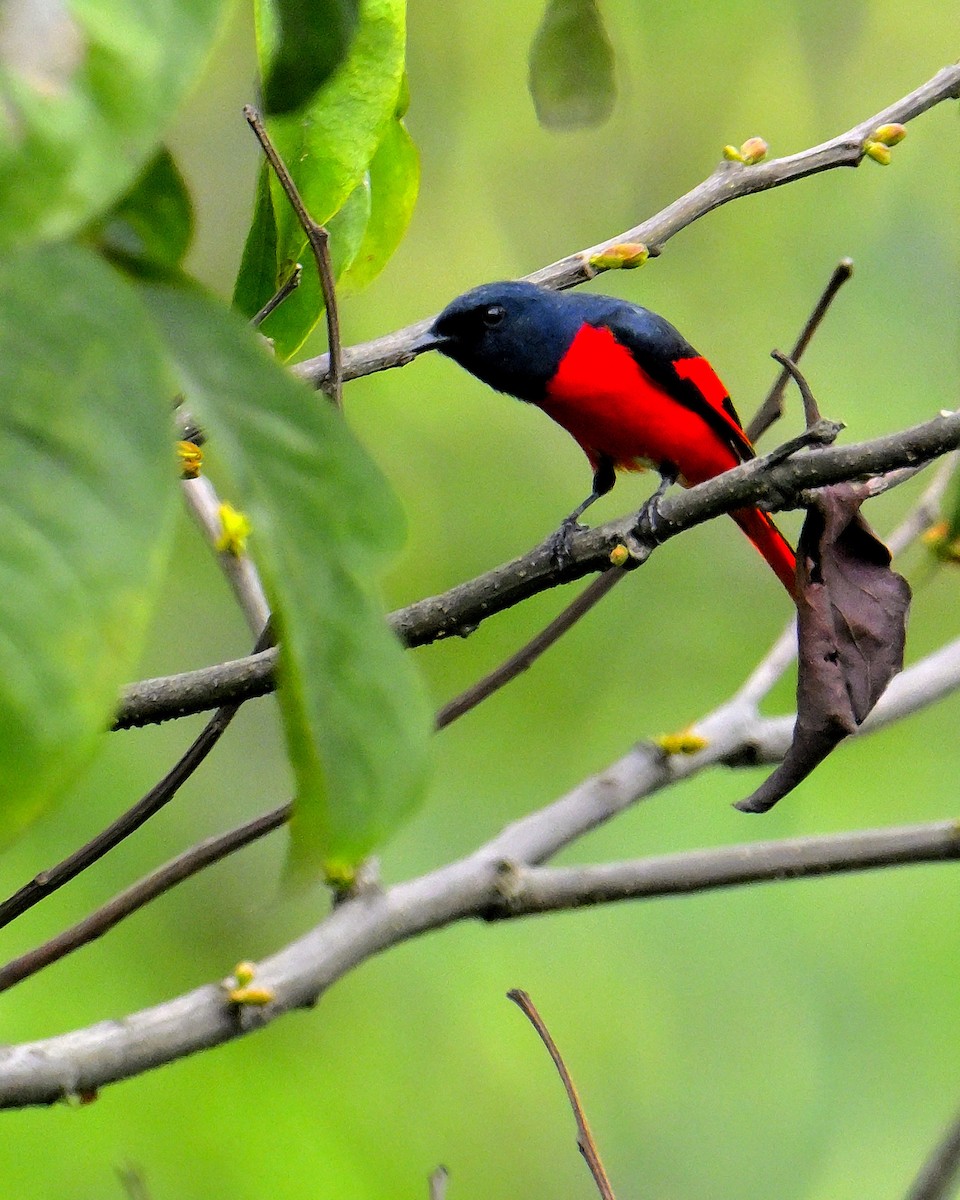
[(728, 182), (485, 884), (497, 881)]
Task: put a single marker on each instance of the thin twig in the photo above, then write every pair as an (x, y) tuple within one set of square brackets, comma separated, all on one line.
[(927, 508), (730, 181), (938, 1175), (437, 1183), (811, 410), (771, 409), (585, 1139), (286, 289), (528, 890), (103, 919), (528, 654), (319, 240), (47, 882), (133, 1183)]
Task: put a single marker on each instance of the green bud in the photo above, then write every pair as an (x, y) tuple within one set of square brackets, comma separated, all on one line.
[(889, 135), (878, 152), (753, 150), (624, 256)]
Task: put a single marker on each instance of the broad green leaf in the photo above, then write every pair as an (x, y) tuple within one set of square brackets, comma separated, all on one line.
[(328, 148), (300, 310), (86, 90), (355, 717), (259, 277), (571, 66), (313, 39), (150, 227), (394, 182), (87, 494)]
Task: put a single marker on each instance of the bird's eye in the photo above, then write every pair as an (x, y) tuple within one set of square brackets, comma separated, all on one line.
[(493, 315)]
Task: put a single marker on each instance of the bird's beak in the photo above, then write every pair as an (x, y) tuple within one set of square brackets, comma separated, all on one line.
[(428, 340)]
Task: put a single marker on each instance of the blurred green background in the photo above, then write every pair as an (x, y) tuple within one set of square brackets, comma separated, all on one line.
[(790, 1040)]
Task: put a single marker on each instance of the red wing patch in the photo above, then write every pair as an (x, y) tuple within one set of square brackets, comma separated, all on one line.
[(705, 379), (614, 409)]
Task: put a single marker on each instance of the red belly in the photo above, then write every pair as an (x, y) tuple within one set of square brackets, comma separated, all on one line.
[(613, 409)]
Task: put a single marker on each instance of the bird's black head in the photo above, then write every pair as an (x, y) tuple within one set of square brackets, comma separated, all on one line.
[(511, 335)]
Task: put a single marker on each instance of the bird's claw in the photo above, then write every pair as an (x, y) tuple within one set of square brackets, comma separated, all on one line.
[(649, 522), (558, 543)]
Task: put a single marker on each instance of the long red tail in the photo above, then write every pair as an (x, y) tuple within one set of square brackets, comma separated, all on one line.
[(760, 529)]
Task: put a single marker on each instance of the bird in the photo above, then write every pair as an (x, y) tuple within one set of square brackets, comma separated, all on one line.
[(619, 378)]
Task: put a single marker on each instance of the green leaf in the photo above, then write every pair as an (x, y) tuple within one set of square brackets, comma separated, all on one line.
[(259, 277), (149, 228), (571, 66), (327, 148), (952, 508), (394, 183), (313, 39), (87, 495), (86, 90), (345, 228), (355, 717)]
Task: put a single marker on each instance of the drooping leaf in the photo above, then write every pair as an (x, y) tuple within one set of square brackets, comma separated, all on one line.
[(313, 37), (394, 183), (571, 76), (87, 494), (851, 630), (328, 148), (149, 228), (85, 93), (323, 520)]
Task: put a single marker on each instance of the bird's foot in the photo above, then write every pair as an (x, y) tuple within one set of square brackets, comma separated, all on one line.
[(650, 525), (558, 544)]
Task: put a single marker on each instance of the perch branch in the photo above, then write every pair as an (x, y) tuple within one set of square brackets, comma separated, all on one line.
[(461, 609)]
